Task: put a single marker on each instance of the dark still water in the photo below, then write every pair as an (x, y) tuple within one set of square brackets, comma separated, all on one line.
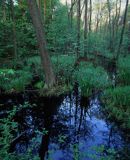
[(68, 127)]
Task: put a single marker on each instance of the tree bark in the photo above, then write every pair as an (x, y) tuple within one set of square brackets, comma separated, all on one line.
[(44, 11), (90, 17), (38, 25)]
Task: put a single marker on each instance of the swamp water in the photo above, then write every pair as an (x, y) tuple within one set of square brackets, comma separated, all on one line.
[(68, 127)]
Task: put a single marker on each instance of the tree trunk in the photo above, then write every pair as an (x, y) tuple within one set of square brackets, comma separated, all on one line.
[(123, 29), (71, 15), (90, 17), (39, 4), (110, 25), (14, 28), (38, 25), (118, 17), (4, 9), (85, 26), (44, 11), (71, 12), (78, 27)]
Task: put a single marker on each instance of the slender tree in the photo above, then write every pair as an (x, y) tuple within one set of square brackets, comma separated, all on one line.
[(71, 14), (85, 26), (118, 17), (14, 27), (78, 26), (38, 25), (110, 24), (90, 16), (4, 9), (45, 10), (123, 29)]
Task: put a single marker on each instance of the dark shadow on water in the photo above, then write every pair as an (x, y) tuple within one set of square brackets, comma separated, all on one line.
[(70, 121)]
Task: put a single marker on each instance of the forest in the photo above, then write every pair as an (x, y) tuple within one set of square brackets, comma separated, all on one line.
[(64, 80)]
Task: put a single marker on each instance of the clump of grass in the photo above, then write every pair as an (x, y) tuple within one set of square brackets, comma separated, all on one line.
[(63, 68), (117, 102), (123, 76), (90, 78)]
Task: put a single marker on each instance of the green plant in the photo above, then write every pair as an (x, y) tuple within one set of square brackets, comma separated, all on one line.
[(63, 67), (5, 76), (8, 130), (7, 125), (12, 80), (39, 85), (117, 102), (90, 78), (123, 76)]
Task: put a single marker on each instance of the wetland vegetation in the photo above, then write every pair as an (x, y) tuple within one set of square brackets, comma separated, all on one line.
[(64, 80)]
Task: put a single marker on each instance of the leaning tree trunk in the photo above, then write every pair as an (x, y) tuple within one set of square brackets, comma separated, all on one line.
[(46, 62)]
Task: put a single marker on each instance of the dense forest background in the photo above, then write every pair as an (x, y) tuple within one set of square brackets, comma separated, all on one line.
[(48, 47)]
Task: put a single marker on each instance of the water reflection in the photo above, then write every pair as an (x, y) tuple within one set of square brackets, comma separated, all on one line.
[(75, 124)]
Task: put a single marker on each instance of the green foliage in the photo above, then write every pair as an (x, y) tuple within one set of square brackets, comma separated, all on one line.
[(90, 78), (7, 129), (27, 44), (6, 43), (11, 80), (63, 67), (97, 42), (124, 71), (60, 36), (34, 66), (117, 102), (39, 85)]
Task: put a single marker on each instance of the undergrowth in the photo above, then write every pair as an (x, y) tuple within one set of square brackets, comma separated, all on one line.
[(123, 75), (14, 81), (117, 102), (91, 79)]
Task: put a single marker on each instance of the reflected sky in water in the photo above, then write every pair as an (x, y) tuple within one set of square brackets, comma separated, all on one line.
[(75, 124)]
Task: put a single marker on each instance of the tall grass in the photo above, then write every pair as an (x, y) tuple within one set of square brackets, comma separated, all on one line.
[(123, 77), (91, 79), (117, 102)]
